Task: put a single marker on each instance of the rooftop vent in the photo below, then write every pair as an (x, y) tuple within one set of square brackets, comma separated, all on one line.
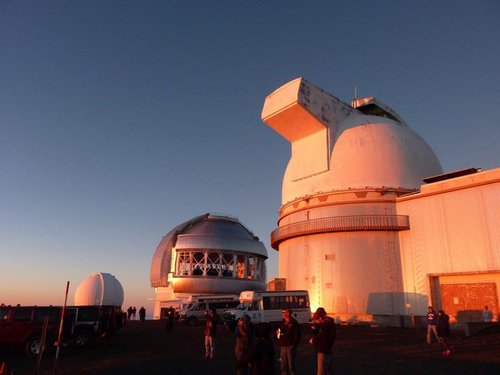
[(449, 175)]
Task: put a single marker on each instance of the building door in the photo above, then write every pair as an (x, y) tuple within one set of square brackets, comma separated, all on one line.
[(465, 302)]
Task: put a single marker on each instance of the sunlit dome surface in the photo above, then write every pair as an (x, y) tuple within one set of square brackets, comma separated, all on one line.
[(99, 289), (337, 146), (379, 152)]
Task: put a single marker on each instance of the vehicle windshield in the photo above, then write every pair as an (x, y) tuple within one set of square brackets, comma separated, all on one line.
[(242, 306), (247, 306)]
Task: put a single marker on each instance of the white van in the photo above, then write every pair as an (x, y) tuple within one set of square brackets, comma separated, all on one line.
[(266, 307), (198, 304)]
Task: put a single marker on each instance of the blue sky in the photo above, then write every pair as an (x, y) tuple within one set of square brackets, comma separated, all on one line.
[(122, 119)]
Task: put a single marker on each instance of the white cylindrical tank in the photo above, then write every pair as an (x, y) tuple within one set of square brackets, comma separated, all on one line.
[(99, 289)]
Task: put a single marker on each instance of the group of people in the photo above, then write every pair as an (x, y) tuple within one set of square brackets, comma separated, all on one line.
[(439, 324), (254, 349), (131, 312)]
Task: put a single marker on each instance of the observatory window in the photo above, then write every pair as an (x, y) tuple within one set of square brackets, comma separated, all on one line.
[(214, 264), (211, 271), (219, 264), (240, 267), (199, 263), (228, 261), (183, 263), (375, 110), (252, 267)]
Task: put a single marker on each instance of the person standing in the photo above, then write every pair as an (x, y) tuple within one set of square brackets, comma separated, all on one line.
[(289, 338), (129, 312), (243, 334), (431, 324), (133, 312), (487, 315), (262, 353), (210, 332), (142, 314), (443, 331), (324, 331), (170, 318)]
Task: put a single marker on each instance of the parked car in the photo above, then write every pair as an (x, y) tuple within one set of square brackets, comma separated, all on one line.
[(199, 304), (95, 321), (23, 325)]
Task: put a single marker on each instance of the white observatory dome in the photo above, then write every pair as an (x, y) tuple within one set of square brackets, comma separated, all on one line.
[(380, 152), (338, 147), (99, 289)]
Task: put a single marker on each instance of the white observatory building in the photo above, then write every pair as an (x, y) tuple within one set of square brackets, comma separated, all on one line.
[(209, 254), (365, 228), (99, 289)]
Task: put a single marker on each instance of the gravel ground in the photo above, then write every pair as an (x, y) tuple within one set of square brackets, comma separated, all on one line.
[(147, 348)]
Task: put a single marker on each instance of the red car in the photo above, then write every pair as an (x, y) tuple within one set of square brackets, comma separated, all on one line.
[(23, 325)]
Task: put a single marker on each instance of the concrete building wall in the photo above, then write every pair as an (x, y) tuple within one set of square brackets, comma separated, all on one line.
[(454, 237)]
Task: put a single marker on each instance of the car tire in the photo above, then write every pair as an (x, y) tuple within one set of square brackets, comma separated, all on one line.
[(33, 345), (192, 321)]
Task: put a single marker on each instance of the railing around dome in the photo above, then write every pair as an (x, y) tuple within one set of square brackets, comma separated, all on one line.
[(340, 224)]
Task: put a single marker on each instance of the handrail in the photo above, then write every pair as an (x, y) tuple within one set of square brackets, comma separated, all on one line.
[(340, 224)]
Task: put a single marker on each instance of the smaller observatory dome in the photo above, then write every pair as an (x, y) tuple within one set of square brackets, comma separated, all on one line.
[(99, 289), (209, 254)]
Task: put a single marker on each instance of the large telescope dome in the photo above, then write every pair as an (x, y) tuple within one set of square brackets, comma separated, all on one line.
[(209, 254)]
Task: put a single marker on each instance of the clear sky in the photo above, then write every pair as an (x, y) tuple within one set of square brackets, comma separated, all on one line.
[(121, 119)]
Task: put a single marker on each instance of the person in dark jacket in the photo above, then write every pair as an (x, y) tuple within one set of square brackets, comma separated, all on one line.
[(170, 319), (262, 353), (289, 338), (431, 324), (443, 330), (324, 332), (243, 333), (142, 314)]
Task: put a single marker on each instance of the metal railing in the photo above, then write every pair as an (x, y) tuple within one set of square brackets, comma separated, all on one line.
[(340, 224)]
